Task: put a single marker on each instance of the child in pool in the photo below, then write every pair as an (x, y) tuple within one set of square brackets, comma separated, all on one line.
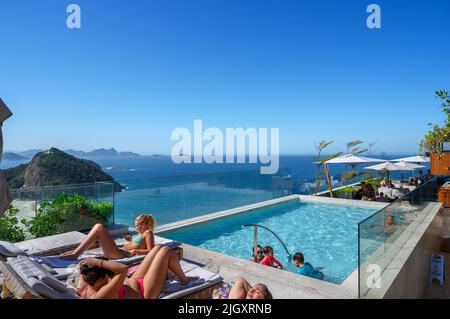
[(269, 259)]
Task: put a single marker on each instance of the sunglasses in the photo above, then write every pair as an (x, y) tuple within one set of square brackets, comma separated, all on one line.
[(259, 252)]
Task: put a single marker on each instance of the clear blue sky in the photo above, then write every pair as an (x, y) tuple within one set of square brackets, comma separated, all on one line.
[(138, 69)]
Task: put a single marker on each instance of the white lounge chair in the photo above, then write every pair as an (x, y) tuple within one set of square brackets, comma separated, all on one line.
[(27, 279), (42, 246)]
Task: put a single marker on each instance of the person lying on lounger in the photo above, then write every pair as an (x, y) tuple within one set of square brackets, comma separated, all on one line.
[(243, 290), (101, 279), (140, 244)]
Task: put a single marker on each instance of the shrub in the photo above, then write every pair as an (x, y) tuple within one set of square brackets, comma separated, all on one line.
[(67, 213), (346, 192), (10, 229)]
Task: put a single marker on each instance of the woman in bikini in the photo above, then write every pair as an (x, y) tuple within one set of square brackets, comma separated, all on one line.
[(141, 244), (101, 279)]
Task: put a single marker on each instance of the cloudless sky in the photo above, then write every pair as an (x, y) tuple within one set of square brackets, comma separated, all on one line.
[(138, 69)]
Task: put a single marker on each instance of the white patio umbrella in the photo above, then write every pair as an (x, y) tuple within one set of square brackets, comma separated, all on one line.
[(353, 159), (5, 192), (413, 159), (348, 159), (408, 166), (388, 167)]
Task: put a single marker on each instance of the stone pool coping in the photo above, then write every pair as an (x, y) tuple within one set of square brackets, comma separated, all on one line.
[(310, 288), (239, 210), (282, 284)]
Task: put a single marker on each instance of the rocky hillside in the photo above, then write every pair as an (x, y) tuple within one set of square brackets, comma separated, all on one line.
[(55, 167)]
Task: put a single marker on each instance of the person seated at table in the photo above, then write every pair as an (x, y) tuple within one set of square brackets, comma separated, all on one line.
[(383, 183), (412, 181), (371, 193), (391, 185), (382, 198), (420, 178), (428, 176), (359, 194)]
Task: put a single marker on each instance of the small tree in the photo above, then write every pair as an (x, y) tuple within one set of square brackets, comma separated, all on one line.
[(432, 140), (353, 149), (321, 161)]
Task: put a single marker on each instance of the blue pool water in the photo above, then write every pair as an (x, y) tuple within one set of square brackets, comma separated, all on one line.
[(327, 235)]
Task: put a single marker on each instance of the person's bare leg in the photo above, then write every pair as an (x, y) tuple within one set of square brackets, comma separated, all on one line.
[(145, 265), (239, 289), (98, 233), (156, 275)]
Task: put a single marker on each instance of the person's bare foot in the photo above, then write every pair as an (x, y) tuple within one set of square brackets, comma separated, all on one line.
[(188, 280), (69, 255)]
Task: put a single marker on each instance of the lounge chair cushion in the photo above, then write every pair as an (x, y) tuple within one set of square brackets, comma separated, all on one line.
[(10, 250), (51, 244), (47, 291), (173, 289), (30, 271)]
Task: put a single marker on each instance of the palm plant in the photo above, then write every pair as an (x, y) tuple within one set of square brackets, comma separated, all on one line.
[(320, 162)]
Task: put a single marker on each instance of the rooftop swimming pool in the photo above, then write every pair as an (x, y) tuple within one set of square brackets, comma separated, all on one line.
[(327, 234)]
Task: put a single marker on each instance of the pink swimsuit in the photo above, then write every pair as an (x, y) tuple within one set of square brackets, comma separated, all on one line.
[(123, 289)]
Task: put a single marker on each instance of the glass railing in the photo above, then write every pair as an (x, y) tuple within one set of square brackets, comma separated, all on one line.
[(53, 210), (382, 235), (175, 198)]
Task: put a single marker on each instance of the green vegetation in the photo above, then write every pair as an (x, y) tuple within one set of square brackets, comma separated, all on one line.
[(15, 176), (55, 167), (10, 230), (431, 141), (345, 192), (67, 213)]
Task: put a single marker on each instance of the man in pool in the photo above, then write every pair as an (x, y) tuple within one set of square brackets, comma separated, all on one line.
[(257, 256), (306, 269)]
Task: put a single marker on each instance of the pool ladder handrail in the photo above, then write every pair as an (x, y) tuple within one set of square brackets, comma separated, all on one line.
[(255, 238)]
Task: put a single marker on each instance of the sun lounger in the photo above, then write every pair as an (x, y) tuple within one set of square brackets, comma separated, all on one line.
[(27, 279), (199, 289), (62, 268), (42, 246)]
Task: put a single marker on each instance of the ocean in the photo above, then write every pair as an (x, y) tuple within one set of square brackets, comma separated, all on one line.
[(172, 192)]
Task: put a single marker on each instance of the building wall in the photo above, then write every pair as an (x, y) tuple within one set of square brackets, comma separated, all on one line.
[(412, 280)]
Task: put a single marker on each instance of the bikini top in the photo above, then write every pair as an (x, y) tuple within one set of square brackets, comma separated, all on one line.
[(137, 240), (120, 295)]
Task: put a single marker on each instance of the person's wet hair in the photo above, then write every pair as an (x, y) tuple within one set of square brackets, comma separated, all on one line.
[(92, 274), (267, 249), (299, 257)]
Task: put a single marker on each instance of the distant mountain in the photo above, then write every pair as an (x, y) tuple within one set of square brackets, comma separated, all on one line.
[(9, 156), (102, 153), (55, 167), (29, 153)]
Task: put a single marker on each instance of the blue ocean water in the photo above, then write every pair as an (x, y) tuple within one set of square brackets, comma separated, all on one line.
[(326, 234), (172, 192)]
